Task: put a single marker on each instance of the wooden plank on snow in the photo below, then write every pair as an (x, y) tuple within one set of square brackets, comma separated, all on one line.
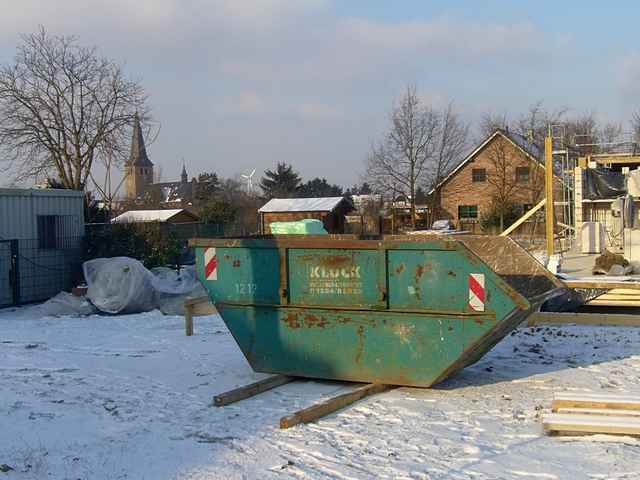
[(601, 284), (600, 411), (613, 303), (319, 410), (250, 390), (590, 424), (592, 400), (603, 319)]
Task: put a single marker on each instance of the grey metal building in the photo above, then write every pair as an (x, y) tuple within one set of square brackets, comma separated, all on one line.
[(41, 232)]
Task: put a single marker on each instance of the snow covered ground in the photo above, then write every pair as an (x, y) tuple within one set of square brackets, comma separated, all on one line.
[(127, 397)]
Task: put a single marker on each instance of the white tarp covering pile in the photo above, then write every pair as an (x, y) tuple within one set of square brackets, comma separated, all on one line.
[(119, 285), (123, 285), (63, 303), (173, 287)]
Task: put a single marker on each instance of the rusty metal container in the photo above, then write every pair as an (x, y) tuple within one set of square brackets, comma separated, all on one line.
[(402, 310)]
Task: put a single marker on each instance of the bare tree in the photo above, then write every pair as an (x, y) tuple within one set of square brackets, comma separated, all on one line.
[(490, 122), (534, 124), (502, 176), (582, 130), (635, 125), (452, 142), (62, 105), (401, 158), (610, 132)]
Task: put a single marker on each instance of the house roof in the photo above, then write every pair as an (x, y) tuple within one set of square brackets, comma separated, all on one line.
[(169, 192), (360, 199), (278, 205), (141, 216), (530, 149)]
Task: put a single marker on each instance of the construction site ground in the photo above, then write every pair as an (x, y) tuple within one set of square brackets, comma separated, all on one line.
[(578, 264), (128, 397)]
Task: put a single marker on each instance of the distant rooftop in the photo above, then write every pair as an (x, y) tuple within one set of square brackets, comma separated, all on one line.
[(140, 216), (324, 204)]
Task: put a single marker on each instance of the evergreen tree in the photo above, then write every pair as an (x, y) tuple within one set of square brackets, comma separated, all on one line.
[(284, 182), (365, 189), (319, 187), (207, 187)]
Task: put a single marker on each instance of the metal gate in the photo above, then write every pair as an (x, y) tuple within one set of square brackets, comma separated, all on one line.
[(9, 288)]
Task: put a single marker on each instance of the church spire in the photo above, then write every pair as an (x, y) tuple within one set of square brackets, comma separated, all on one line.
[(138, 156), (183, 176)]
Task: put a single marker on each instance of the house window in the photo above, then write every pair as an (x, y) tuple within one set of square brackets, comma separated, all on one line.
[(47, 231), (522, 174), (467, 211), (479, 175)]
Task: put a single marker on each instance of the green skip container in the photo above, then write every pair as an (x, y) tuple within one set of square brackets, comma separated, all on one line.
[(399, 310)]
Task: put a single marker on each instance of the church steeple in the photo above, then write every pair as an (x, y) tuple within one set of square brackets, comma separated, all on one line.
[(183, 176), (139, 169), (138, 156)]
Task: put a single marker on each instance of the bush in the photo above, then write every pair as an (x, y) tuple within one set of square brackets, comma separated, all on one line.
[(145, 242)]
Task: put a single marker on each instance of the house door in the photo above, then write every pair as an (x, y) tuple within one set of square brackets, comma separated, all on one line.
[(8, 273)]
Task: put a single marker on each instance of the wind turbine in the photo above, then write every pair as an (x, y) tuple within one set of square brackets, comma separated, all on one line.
[(249, 179)]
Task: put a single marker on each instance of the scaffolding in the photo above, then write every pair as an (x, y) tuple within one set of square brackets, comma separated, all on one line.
[(565, 159), (576, 150)]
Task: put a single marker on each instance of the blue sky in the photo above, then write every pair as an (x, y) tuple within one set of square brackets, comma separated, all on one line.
[(243, 84)]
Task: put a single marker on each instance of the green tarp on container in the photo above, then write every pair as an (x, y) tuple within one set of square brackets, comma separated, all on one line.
[(300, 227)]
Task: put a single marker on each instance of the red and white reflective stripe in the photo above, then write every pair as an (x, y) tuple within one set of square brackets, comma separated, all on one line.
[(210, 264), (476, 291)]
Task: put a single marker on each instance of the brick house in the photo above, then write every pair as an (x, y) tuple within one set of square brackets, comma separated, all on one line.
[(504, 167)]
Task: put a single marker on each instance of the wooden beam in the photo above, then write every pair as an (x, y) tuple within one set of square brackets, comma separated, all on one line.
[(200, 305), (602, 319), (250, 390), (604, 284), (621, 159), (194, 307), (524, 217), (617, 296), (599, 411), (595, 400), (336, 403), (548, 188), (613, 303), (591, 424)]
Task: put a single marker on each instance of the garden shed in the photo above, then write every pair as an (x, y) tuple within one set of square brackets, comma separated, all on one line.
[(330, 210), (41, 232)]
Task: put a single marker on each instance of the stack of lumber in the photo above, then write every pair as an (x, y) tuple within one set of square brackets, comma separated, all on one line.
[(592, 414), (617, 297), (598, 319)]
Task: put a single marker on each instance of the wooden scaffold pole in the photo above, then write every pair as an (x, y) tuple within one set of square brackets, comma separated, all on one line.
[(548, 184)]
